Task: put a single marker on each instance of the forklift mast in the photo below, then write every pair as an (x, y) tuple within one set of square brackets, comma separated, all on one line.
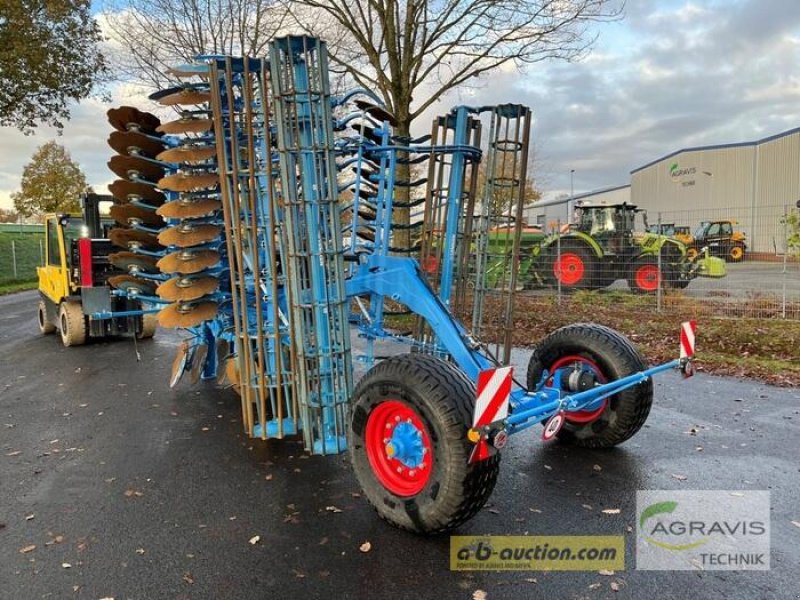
[(90, 208)]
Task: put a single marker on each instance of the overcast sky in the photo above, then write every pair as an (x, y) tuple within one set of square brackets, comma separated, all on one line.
[(672, 74)]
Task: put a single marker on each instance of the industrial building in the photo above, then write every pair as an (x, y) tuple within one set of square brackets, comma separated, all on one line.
[(753, 183)]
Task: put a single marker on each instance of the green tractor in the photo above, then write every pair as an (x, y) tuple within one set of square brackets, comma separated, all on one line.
[(601, 248)]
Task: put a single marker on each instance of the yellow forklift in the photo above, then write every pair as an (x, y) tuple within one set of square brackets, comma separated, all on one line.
[(75, 297)]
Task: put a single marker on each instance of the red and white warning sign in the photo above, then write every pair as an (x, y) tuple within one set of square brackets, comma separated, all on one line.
[(553, 426), (494, 391), (688, 330)]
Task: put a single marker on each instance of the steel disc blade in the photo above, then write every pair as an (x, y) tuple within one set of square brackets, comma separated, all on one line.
[(130, 168), (188, 182), (179, 364), (189, 209), (124, 191), (187, 235), (223, 349), (187, 288), (186, 125), (198, 362), (186, 315), (379, 112), (125, 238), (133, 143), (132, 285), (128, 118), (187, 263), (130, 261), (121, 213), (188, 154), (184, 97)]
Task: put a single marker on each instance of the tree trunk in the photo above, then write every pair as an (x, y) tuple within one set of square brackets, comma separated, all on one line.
[(401, 215)]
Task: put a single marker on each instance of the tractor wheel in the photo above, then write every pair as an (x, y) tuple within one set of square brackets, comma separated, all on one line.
[(735, 253), (608, 356), (149, 325), (644, 276), (45, 326), (409, 448), (72, 323), (576, 267), (692, 253)]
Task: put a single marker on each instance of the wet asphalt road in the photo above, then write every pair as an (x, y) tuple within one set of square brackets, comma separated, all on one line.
[(148, 493)]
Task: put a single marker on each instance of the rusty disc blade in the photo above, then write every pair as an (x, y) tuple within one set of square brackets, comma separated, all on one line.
[(121, 213), (186, 235), (125, 238), (188, 154), (188, 262), (186, 125), (184, 97), (130, 168), (379, 112), (128, 118), (198, 362), (133, 143), (187, 288), (188, 182), (186, 315), (179, 364), (132, 285), (187, 71), (124, 191), (232, 373), (130, 261), (189, 209)]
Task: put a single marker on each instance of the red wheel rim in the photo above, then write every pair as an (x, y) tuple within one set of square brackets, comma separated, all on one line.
[(648, 278), (569, 268), (393, 474), (582, 416)]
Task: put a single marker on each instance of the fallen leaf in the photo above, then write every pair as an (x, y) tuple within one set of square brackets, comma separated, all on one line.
[(479, 595), (111, 480), (268, 477), (187, 577), (333, 509), (548, 467), (680, 477), (131, 492), (204, 429), (494, 511), (29, 517), (298, 574), (66, 565), (597, 468), (255, 539), (535, 510), (140, 551), (14, 453), (587, 506), (531, 580), (796, 523), (27, 549), (614, 586), (594, 586), (611, 511), (605, 572), (365, 547)]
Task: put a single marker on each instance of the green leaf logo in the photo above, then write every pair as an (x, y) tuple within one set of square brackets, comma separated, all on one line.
[(672, 168), (661, 508)]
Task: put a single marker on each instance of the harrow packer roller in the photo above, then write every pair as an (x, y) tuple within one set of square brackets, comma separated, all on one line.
[(283, 240)]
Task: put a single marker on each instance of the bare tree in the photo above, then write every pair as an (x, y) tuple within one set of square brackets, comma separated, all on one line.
[(412, 52), (154, 35)]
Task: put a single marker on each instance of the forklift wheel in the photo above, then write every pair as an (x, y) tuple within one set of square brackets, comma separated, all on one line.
[(409, 447), (45, 326), (609, 356), (149, 325), (72, 324)]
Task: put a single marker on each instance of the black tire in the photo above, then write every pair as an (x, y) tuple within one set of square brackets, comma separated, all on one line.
[(616, 357), (639, 276), (72, 324), (45, 326), (582, 254), (443, 398), (735, 253)]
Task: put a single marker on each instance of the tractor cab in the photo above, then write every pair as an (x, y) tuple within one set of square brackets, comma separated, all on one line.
[(611, 225)]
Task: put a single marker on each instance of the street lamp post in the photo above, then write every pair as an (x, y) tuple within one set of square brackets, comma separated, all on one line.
[(570, 204)]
